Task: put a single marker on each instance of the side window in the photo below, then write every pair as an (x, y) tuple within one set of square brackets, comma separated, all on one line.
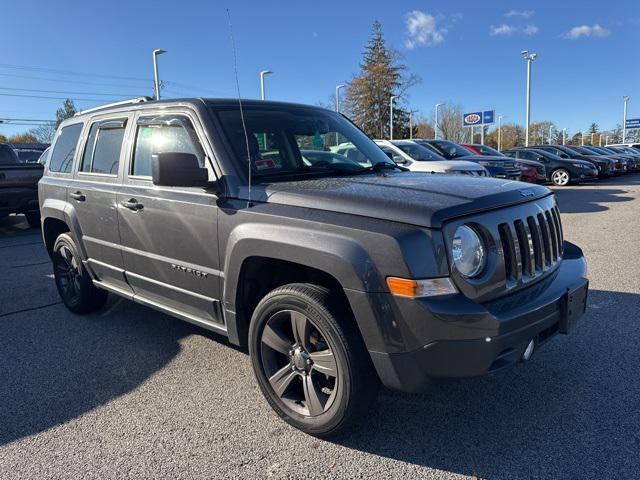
[(102, 151), (65, 148), (163, 134)]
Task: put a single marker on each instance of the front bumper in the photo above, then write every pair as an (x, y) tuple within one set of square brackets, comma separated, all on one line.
[(465, 339)]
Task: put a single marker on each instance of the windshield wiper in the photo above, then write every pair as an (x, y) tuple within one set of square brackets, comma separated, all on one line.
[(379, 166)]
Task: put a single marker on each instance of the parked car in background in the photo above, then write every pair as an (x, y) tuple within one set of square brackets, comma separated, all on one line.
[(631, 145), (19, 185), (532, 172), (498, 166), (29, 152), (605, 166), (560, 171), (419, 158), (620, 167), (633, 159), (627, 151)]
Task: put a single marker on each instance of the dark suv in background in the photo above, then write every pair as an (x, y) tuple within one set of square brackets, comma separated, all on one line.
[(337, 275), (560, 171), (498, 166)]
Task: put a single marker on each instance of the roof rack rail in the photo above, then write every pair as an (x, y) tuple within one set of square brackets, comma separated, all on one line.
[(115, 104)]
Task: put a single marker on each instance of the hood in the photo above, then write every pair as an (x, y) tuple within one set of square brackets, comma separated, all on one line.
[(412, 198)]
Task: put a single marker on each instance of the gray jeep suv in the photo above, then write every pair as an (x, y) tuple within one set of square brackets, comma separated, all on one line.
[(337, 275)]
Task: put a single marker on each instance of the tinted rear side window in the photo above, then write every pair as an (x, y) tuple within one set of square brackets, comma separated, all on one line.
[(102, 151), (65, 148)]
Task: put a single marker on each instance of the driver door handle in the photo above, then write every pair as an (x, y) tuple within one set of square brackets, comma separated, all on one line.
[(79, 196), (132, 204)]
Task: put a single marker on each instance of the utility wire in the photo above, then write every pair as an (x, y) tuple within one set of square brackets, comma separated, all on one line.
[(53, 98), (71, 73), (119, 95), (64, 80)]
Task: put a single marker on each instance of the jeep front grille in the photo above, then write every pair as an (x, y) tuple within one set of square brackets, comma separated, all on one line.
[(531, 246)]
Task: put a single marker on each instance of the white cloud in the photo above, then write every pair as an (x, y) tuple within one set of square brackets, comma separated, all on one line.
[(587, 31), (519, 13), (505, 29), (422, 29)]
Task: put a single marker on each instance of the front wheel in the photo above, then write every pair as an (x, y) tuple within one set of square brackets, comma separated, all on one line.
[(309, 359), (560, 177), (75, 287)]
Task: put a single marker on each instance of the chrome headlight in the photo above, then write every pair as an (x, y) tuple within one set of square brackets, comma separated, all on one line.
[(468, 252)]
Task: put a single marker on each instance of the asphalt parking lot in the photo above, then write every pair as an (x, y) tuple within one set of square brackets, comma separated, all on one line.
[(132, 393)]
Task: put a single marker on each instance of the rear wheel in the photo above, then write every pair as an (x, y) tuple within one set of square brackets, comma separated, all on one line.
[(560, 177), (309, 359), (75, 287)]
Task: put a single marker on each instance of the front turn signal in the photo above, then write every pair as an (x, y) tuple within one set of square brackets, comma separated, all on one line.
[(433, 287)]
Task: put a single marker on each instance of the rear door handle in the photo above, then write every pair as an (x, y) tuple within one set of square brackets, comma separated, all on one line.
[(79, 196), (132, 204)]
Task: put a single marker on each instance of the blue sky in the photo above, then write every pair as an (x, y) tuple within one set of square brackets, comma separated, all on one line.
[(465, 52)]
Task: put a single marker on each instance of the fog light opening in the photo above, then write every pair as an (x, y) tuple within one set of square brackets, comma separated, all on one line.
[(528, 351)]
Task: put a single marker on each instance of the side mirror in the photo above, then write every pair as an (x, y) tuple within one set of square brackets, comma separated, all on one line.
[(564, 155), (399, 160), (389, 154), (174, 169)]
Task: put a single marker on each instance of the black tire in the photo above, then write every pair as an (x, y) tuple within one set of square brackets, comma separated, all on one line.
[(561, 177), (74, 285), (342, 398), (33, 218)]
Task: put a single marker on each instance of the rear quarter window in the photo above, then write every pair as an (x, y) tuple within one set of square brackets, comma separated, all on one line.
[(65, 149)]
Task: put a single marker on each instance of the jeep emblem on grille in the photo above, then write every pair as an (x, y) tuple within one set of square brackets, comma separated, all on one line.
[(527, 193)]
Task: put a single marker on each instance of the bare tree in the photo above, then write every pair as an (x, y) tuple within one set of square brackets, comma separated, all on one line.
[(450, 123), (45, 132)]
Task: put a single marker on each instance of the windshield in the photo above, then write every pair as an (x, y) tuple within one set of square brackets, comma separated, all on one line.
[(486, 150), (582, 150), (29, 156), (296, 141), (449, 149), (418, 152)]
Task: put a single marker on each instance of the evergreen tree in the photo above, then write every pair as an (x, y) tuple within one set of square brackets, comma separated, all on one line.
[(369, 93), (67, 110)]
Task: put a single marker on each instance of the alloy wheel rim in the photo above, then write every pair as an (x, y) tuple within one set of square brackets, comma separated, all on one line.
[(299, 364), (561, 178), (68, 273)]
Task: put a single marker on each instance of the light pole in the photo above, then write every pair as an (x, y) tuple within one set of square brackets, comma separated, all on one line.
[(606, 140), (592, 133), (156, 80), (550, 130), (624, 120), (529, 57), (262, 74), (410, 124), (582, 139), (391, 99), (338, 87), (499, 132), (564, 136), (600, 140), (435, 127)]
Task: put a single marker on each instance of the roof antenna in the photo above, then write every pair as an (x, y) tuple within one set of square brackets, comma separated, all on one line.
[(244, 127)]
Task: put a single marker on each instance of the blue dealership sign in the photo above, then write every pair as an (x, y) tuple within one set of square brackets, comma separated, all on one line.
[(478, 118), (488, 116), (470, 119), (632, 123)]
